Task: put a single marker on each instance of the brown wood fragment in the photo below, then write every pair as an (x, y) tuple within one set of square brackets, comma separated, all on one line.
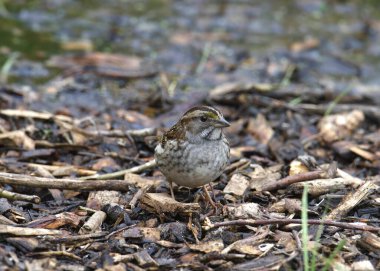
[(208, 247), (137, 169), (56, 221), (33, 115), (6, 221), (19, 231), (138, 195), (16, 196), (64, 254), (370, 242), (68, 184), (322, 186), (302, 177), (163, 203), (244, 211), (144, 234), (24, 244), (72, 239), (98, 199), (351, 200), (237, 185), (93, 223), (144, 259), (260, 222), (363, 153)]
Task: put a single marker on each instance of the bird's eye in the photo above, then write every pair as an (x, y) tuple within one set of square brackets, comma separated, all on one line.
[(203, 119)]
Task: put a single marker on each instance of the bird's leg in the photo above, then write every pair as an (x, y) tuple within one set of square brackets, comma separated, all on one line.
[(212, 192), (209, 199), (171, 189)]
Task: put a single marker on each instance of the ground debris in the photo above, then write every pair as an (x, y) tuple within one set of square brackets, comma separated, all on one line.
[(86, 96)]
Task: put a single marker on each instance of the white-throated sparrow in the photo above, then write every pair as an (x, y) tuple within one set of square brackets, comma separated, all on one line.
[(194, 152)]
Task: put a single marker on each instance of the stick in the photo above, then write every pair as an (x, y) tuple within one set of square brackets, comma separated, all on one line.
[(21, 231), (118, 133), (67, 184), (16, 196), (149, 165), (260, 222), (302, 177)]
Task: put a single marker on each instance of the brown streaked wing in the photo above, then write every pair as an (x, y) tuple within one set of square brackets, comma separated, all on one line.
[(176, 132)]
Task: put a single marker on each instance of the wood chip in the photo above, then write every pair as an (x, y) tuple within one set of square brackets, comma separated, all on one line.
[(207, 247), (244, 211), (93, 223), (237, 185), (163, 203)]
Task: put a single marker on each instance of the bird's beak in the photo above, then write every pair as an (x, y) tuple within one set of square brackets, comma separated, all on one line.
[(220, 123)]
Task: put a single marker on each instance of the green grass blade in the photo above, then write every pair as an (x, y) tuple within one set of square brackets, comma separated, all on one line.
[(318, 235), (331, 106), (5, 69), (305, 231)]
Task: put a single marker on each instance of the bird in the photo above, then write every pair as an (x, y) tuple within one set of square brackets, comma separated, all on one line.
[(194, 151)]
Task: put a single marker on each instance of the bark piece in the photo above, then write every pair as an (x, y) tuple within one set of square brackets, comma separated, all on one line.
[(245, 210), (370, 242), (351, 200), (68, 184), (250, 245), (261, 177), (163, 203), (98, 199), (56, 221), (24, 244), (322, 186), (143, 234), (93, 223), (207, 247), (237, 185), (18, 231)]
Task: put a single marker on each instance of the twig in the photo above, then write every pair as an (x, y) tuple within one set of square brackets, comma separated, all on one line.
[(149, 165), (75, 238), (118, 133), (16, 196), (138, 195), (34, 115), (67, 184), (260, 222), (370, 111), (79, 171), (20, 231), (284, 182), (55, 254)]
